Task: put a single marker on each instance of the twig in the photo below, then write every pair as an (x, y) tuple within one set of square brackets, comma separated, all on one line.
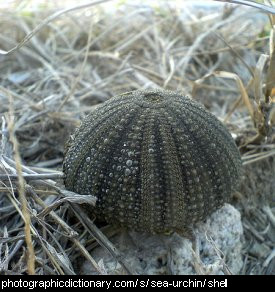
[(269, 214), (79, 199), (32, 176), (100, 237), (72, 234), (78, 78), (22, 195), (47, 21), (219, 253), (251, 4), (260, 157)]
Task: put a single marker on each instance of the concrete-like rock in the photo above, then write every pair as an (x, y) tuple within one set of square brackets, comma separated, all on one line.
[(217, 244)]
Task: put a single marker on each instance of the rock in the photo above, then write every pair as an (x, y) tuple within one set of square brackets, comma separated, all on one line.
[(218, 244)]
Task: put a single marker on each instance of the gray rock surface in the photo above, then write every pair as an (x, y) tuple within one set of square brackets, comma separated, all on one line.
[(217, 249)]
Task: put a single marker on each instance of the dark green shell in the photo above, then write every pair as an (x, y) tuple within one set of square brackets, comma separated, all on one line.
[(157, 161)]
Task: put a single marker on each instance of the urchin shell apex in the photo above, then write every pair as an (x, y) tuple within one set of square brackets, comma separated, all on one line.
[(156, 161)]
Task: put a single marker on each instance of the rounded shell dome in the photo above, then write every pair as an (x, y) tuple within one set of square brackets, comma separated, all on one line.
[(156, 160)]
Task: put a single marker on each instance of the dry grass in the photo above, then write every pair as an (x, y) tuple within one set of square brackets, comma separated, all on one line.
[(73, 60)]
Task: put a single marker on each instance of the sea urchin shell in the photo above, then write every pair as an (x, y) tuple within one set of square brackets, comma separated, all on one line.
[(156, 160)]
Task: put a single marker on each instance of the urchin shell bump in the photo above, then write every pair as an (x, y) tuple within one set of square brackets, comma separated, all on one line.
[(156, 160)]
